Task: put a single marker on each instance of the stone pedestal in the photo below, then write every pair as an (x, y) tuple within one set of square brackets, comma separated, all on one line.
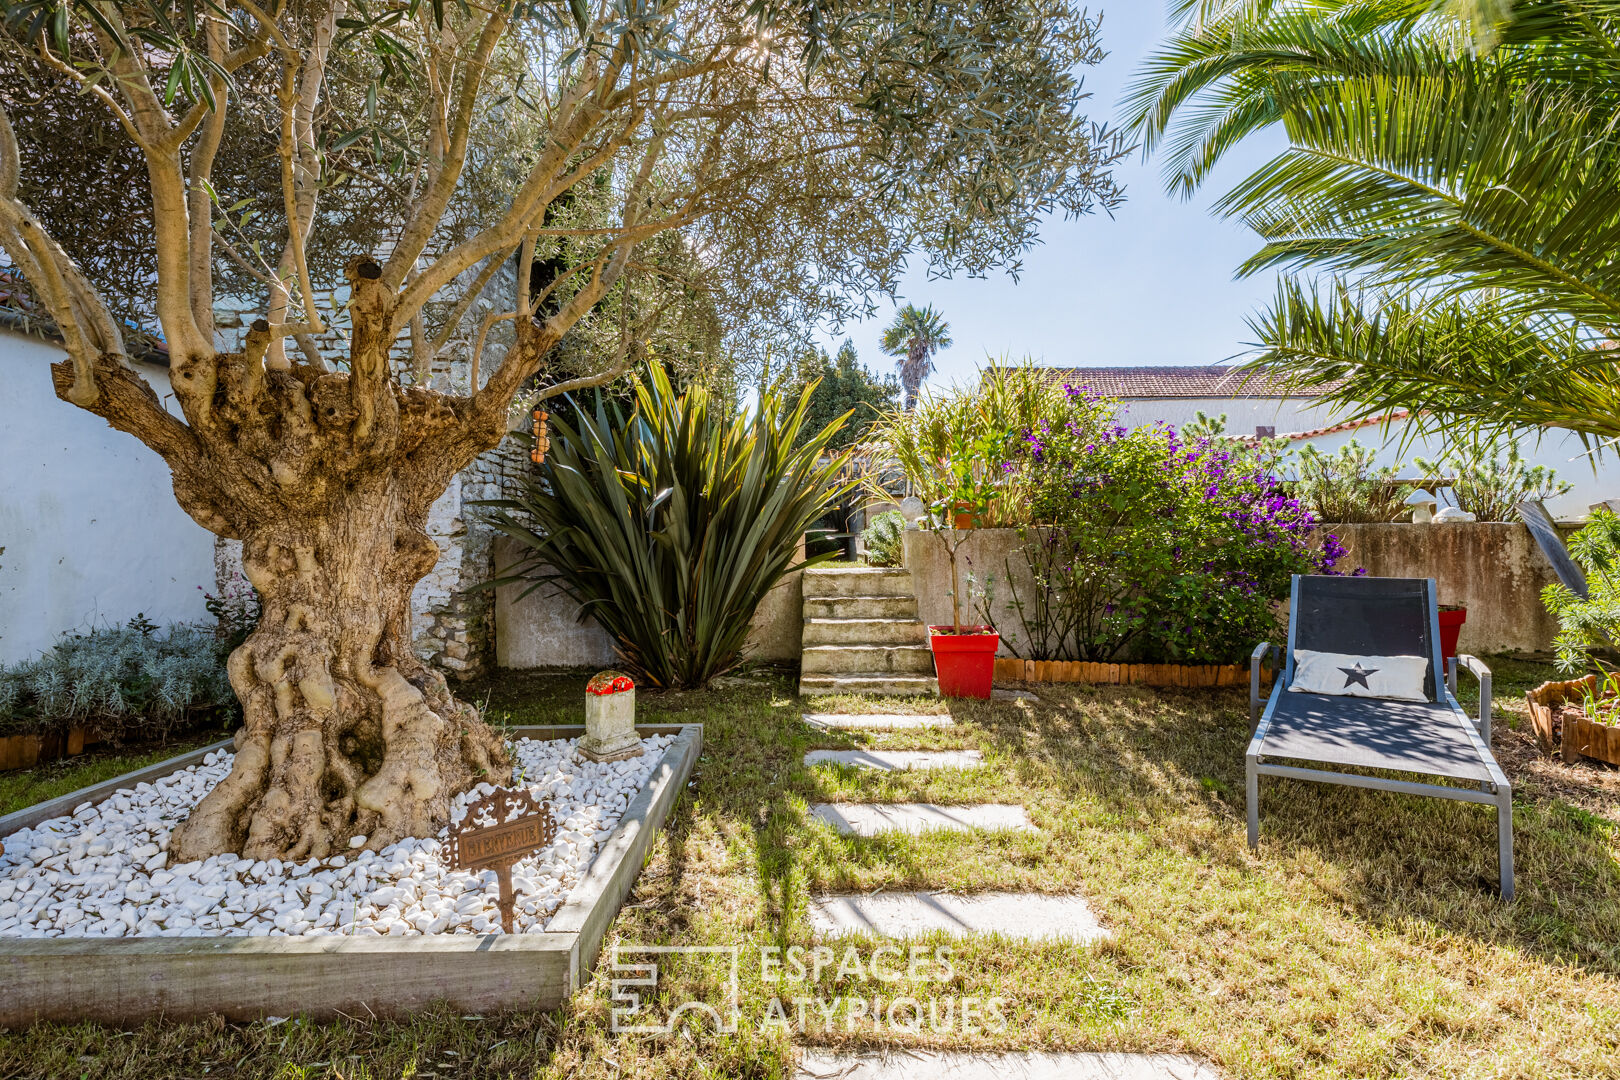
[(610, 727)]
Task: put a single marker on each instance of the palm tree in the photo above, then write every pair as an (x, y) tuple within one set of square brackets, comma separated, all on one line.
[(1453, 170), (916, 334)]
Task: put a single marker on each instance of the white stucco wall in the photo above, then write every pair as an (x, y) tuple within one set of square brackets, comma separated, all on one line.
[(90, 533), (1243, 415), (1595, 478)]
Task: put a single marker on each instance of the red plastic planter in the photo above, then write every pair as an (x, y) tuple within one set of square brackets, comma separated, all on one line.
[(965, 662), (1450, 630)]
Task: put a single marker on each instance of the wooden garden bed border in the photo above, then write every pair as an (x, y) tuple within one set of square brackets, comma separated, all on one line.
[(1080, 671), (127, 981)]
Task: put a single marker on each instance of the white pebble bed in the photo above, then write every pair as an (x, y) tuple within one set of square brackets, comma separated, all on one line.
[(104, 871)]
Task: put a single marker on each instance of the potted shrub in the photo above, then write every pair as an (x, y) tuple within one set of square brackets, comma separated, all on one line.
[(1581, 717), (964, 654)]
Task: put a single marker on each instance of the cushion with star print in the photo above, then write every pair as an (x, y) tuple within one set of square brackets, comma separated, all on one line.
[(1397, 678)]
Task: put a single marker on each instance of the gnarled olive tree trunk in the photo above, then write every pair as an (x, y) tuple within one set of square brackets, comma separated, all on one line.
[(345, 732), (326, 476)]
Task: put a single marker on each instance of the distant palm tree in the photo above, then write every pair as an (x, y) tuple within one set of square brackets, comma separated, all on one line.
[(916, 334)]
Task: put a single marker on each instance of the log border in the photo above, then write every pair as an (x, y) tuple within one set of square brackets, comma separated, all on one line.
[(1009, 669)]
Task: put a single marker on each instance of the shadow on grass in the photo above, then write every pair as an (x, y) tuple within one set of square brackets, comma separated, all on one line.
[(1396, 861)]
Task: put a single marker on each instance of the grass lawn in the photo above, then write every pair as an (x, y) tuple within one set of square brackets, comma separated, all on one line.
[(1364, 939)]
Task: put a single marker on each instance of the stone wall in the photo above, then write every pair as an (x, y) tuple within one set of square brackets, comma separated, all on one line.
[(1494, 569), (450, 626)]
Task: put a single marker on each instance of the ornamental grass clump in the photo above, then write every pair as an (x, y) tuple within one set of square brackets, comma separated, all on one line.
[(669, 524)]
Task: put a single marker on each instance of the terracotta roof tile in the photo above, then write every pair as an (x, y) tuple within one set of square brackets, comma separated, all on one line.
[(1192, 381)]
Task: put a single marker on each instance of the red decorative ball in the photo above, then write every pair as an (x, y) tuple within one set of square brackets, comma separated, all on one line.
[(609, 682)]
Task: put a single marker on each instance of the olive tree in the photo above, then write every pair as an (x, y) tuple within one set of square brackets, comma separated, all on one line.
[(790, 156)]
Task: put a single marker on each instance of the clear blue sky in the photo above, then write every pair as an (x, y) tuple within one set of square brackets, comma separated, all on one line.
[(1154, 284)]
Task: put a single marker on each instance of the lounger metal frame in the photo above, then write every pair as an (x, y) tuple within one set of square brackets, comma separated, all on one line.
[(1496, 791)]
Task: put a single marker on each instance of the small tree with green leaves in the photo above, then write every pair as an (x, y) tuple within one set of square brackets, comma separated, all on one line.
[(1589, 626)]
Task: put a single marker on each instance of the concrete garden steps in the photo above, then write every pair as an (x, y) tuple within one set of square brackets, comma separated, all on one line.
[(862, 635), (1029, 1065), (861, 607), (862, 631), (874, 819), (880, 685)]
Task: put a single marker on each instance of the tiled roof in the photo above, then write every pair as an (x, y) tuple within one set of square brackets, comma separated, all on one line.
[(1200, 381), (1348, 425)]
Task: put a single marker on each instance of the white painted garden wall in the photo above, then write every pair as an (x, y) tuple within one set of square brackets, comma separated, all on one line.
[(90, 534), (1243, 415)]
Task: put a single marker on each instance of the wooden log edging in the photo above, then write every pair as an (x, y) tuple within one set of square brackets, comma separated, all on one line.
[(1080, 671), (1581, 736), (26, 751), (128, 981)]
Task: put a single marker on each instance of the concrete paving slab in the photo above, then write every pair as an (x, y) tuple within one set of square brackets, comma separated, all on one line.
[(876, 721), (1026, 916), (898, 760), (923, 1065), (1002, 694), (874, 819)]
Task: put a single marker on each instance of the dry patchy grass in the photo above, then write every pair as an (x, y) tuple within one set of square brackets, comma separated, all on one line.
[(1363, 939)]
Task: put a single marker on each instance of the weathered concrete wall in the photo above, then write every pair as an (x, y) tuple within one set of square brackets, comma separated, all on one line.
[(984, 562), (543, 630), (1494, 569)]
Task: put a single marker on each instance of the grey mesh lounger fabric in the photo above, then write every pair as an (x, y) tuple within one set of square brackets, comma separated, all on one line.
[(1436, 738)]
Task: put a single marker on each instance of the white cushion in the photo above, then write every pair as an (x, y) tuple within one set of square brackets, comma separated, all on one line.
[(1397, 678)]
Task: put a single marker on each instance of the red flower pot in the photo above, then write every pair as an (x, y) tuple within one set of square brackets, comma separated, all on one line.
[(965, 663), (1451, 621)]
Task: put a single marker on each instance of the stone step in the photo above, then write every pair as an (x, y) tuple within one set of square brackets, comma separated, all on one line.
[(876, 721), (1026, 916), (860, 607), (858, 581), (875, 819), (898, 760), (869, 659), (864, 632), (886, 684), (1027, 1065)]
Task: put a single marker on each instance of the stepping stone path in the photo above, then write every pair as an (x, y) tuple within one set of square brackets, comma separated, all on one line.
[(876, 721), (898, 760), (873, 819), (922, 1065), (1026, 916)]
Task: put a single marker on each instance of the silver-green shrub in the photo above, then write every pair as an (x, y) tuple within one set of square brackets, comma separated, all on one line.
[(885, 539), (131, 681)]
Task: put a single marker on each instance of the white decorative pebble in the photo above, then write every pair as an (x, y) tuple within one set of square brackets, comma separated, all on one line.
[(105, 870)]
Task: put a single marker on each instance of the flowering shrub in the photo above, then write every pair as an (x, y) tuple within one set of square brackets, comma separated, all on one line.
[(1150, 545)]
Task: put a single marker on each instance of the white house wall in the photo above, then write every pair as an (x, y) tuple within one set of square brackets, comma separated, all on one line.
[(1243, 415), (90, 534)]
